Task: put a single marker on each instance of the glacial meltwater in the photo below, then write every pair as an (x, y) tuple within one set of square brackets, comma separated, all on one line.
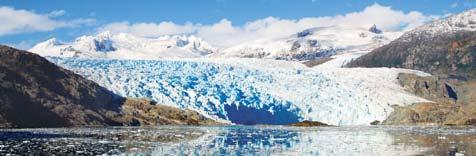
[(241, 140)]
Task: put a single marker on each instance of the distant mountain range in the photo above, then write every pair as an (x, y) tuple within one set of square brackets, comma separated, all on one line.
[(313, 43), (309, 44), (125, 46)]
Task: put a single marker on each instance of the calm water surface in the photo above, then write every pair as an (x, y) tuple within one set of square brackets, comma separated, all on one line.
[(241, 140)]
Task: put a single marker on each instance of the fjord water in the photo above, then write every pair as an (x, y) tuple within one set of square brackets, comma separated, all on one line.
[(242, 140)]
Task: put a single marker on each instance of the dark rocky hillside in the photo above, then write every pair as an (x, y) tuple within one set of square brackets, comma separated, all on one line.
[(450, 56), (36, 93)]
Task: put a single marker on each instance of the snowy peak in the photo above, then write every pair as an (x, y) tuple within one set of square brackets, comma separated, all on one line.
[(126, 46), (103, 42), (49, 43), (191, 43), (465, 21), (304, 33), (104, 35), (312, 43), (374, 29), (100, 43)]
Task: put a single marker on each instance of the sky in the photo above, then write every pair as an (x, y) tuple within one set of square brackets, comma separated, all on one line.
[(24, 23)]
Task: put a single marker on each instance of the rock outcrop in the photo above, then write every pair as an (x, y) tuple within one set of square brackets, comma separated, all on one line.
[(455, 102), (433, 114), (307, 123), (145, 112)]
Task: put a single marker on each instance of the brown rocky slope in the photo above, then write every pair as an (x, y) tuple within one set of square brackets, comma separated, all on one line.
[(36, 93), (454, 102)]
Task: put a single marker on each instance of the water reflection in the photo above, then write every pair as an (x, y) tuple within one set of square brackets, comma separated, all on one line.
[(439, 141), (243, 140), (235, 141), (326, 141)]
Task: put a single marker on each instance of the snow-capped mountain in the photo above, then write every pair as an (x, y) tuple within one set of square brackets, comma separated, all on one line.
[(465, 21), (309, 44), (444, 46), (312, 43), (126, 46)]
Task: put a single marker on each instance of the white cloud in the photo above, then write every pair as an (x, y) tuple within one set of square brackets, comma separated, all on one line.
[(24, 45), (150, 29), (454, 5), (57, 13), (20, 21), (224, 33)]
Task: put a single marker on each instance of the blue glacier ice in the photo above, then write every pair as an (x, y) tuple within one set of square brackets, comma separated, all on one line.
[(244, 91)]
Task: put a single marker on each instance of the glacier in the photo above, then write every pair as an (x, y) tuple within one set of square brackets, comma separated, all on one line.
[(253, 91)]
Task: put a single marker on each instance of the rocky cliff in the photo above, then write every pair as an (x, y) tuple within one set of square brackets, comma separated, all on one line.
[(454, 102)]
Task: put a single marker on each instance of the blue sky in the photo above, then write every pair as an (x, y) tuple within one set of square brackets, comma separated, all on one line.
[(67, 20)]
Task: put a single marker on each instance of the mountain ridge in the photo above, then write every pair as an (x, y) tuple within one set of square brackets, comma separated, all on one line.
[(311, 44), (125, 46)]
